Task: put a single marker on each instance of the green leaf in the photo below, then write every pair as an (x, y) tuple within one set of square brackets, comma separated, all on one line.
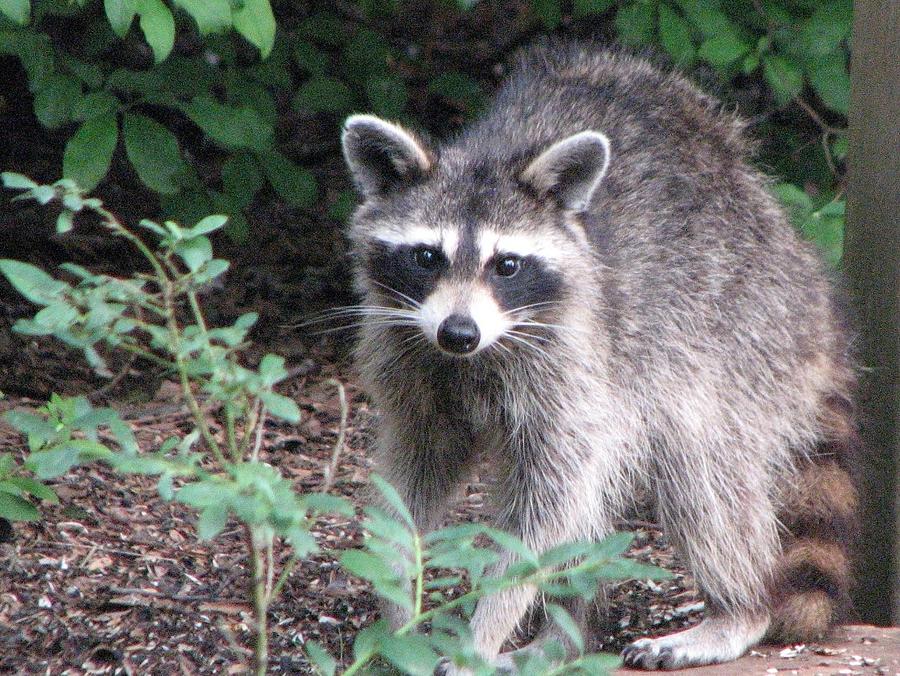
[(254, 20), (158, 26), (16, 508), (201, 494), (233, 127), (324, 94), (634, 23), (410, 653), (675, 36), (94, 105), (827, 28), (212, 521), (59, 459), (591, 7), (324, 27), (794, 199), (242, 178), (598, 664), (565, 622), (207, 225), (212, 16), (831, 81), (784, 76), (366, 566), (825, 227), (54, 101), (56, 316), (707, 16), (548, 11), (750, 63), (392, 497), (89, 152), (722, 50), (310, 58), (280, 406), (387, 94), (32, 282), (120, 14), (153, 151), (320, 658), (17, 11), (271, 369), (296, 185), (194, 252), (35, 488), (15, 181)]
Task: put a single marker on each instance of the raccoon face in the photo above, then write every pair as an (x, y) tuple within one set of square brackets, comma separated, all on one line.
[(467, 282)]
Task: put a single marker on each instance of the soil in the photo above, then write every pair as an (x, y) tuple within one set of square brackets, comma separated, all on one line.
[(115, 580)]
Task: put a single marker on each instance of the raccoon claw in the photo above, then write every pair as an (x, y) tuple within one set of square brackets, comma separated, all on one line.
[(643, 654)]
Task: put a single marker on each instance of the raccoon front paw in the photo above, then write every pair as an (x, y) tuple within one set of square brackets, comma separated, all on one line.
[(649, 655)]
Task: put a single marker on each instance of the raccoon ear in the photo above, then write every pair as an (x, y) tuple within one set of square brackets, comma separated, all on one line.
[(382, 155), (570, 169)]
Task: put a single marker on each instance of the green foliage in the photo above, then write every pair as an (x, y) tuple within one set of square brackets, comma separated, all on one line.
[(140, 314), (17, 488), (81, 86), (394, 553)]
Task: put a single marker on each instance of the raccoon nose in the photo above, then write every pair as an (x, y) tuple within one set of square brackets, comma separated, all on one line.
[(458, 334)]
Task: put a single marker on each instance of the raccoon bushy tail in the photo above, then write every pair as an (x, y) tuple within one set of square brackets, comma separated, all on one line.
[(814, 575)]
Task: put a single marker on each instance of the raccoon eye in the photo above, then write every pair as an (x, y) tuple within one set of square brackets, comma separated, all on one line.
[(427, 258), (507, 266)]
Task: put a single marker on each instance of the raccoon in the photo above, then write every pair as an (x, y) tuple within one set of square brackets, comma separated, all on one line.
[(592, 288)]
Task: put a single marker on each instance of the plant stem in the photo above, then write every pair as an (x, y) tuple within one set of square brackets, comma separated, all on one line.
[(260, 606)]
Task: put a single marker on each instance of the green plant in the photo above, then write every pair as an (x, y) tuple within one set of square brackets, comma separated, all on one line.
[(145, 106), (394, 552), (16, 486), (157, 316)]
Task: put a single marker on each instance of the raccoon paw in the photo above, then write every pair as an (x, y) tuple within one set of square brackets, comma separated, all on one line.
[(647, 654), (714, 640)]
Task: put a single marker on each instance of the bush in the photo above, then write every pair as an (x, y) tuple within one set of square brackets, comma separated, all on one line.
[(223, 69)]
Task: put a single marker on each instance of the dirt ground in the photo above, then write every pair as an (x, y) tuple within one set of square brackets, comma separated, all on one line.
[(114, 580)]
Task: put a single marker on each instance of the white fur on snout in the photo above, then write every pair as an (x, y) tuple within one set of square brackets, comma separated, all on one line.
[(491, 321), (477, 303)]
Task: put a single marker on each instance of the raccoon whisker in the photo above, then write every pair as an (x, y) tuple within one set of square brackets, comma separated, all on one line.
[(413, 343), (526, 335), (558, 327), (413, 303), (536, 348), (359, 310), (532, 306), (375, 322)]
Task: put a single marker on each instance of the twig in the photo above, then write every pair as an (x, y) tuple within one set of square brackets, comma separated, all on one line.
[(100, 392), (331, 473), (815, 117), (260, 426)]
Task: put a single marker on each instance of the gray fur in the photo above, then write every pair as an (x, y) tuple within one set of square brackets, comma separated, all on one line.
[(690, 354)]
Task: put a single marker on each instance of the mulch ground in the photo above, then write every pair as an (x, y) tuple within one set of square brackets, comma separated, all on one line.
[(115, 580)]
